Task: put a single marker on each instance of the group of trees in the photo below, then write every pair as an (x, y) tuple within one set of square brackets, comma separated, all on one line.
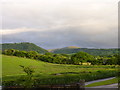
[(47, 57), (106, 60), (77, 58)]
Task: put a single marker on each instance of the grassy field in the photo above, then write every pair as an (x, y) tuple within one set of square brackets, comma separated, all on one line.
[(49, 73), (107, 82)]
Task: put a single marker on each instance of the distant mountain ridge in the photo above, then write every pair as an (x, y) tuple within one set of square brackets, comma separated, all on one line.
[(92, 51), (25, 46), (69, 47)]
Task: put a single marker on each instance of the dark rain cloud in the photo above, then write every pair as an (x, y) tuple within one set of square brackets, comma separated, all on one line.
[(64, 37)]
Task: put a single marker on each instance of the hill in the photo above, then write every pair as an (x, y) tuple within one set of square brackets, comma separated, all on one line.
[(69, 47), (26, 46), (10, 65), (96, 52), (23, 46)]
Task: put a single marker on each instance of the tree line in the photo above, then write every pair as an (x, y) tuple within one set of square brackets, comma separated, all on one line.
[(76, 59)]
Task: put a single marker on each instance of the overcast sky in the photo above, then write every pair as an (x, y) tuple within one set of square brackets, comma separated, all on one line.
[(60, 23)]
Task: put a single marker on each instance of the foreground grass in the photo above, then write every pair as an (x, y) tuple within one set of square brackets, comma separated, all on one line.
[(107, 82), (49, 73)]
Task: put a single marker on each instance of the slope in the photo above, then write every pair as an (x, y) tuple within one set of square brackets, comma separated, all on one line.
[(26, 46), (53, 73)]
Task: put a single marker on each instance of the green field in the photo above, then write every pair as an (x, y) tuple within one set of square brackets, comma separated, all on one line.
[(107, 82), (49, 73)]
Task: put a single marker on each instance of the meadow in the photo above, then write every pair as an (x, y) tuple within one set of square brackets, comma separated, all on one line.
[(49, 73), (107, 82)]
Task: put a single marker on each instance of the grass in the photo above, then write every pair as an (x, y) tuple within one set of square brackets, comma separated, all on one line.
[(107, 82), (46, 73)]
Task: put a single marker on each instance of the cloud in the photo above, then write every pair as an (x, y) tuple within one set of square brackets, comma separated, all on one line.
[(59, 23), (42, 14), (65, 36)]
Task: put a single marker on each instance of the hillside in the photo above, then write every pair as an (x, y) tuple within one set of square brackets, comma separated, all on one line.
[(23, 46), (96, 52), (10, 65), (69, 47), (49, 73)]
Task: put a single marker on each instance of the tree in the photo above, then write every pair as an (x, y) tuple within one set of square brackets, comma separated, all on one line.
[(28, 70), (9, 52), (28, 81), (31, 54), (20, 53), (48, 53), (81, 57)]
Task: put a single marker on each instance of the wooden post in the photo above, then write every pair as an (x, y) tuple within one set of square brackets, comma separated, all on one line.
[(82, 84), (118, 85)]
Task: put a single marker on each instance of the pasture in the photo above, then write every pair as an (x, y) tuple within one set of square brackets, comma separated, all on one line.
[(49, 73)]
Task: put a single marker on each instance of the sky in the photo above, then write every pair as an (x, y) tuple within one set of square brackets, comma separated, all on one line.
[(60, 23)]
